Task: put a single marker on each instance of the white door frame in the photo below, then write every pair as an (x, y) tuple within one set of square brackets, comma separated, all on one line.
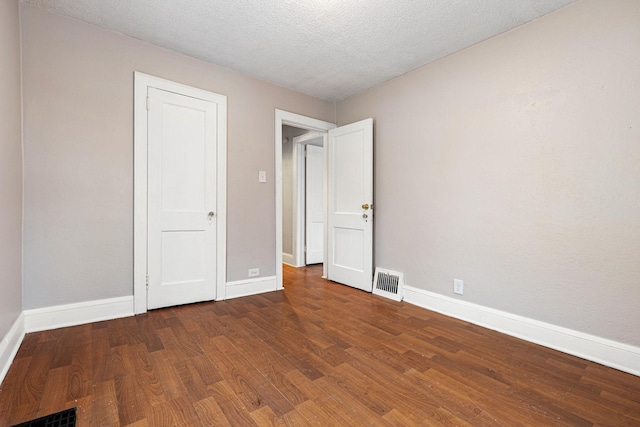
[(299, 193), (142, 82), (299, 121)]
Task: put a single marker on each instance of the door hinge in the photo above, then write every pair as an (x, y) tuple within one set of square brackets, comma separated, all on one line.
[(148, 104), (147, 283)]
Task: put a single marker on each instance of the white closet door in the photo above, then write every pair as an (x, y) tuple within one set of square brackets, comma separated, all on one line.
[(314, 204), (182, 134)]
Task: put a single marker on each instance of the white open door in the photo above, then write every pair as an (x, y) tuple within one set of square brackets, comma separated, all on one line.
[(350, 205), (314, 212), (182, 137)]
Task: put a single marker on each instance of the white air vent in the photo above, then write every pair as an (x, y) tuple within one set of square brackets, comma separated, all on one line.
[(388, 283)]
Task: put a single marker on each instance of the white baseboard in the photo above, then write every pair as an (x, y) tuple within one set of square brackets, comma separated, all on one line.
[(42, 319), (243, 288), (288, 259), (10, 344), (623, 357)]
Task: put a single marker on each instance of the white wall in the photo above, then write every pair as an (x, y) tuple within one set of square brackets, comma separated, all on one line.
[(10, 168), (78, 112), (515, 166)]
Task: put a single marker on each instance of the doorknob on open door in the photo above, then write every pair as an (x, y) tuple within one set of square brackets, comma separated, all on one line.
[(211, 215), (365, 206)]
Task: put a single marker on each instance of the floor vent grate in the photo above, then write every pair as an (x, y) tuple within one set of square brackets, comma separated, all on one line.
[(388, 283)]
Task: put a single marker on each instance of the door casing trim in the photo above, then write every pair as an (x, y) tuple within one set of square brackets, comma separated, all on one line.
[(141, 84)]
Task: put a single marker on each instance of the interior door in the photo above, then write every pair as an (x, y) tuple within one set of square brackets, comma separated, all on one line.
[(181, 199), (350, 205), (314, 195)]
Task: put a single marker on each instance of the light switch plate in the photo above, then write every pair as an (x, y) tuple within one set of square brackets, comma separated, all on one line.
[(262, 176)]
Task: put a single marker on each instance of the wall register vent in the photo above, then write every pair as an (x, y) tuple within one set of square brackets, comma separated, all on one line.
[(388, 283)]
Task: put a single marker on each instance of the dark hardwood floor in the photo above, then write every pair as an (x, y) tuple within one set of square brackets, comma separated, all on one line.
[(318, 353)]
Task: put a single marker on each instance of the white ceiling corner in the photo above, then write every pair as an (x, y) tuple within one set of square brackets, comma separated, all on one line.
[(330, 49)]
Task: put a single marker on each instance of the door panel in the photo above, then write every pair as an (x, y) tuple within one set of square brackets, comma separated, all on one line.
[(314, 194), (182, 182), (184, 169), (183, 257), (350, 181), (347, 242), (349, 170)]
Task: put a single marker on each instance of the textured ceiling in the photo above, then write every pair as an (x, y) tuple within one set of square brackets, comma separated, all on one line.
[(330, 49)]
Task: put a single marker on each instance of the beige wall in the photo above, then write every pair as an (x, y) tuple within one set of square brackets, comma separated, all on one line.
[(78, 100), (10, 167), (287, 192), (515, 166)]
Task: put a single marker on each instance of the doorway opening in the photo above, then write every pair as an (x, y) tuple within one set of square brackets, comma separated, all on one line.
[(291, 126), (303, 196), (348, 198)]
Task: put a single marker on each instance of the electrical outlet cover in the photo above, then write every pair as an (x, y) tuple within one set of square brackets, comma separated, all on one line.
[(458, 286)]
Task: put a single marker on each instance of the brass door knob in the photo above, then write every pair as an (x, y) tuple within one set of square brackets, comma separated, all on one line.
[(365, 206)]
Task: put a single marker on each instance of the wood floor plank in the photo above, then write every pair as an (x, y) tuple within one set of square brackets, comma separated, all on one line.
[(315, 415), (173, 348), (80, 369), (172, 386), (104, 405), (141, 423), (182, 412), (83, 410), (295, 418), (205, 369), (353, 408), (325, 398), (55, 391), (264, 392), (15, 402), (234, 410), (317, 353), (266, 417), (393, 383), (210, 413), (192, 382), (100, 353), (235, 379), (131, 399), (148, 333), (123, 331), (146, 375)]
